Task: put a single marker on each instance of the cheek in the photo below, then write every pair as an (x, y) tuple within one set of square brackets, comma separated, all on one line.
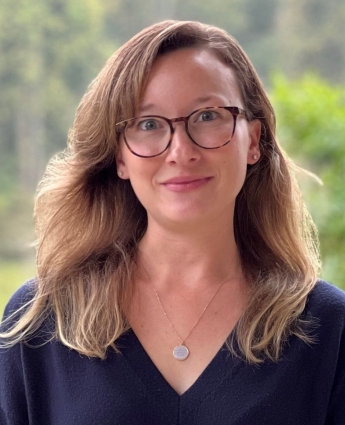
[(141, 176), (137, 176), (235, 167), (242, 146), (238, 150), (140, 189)]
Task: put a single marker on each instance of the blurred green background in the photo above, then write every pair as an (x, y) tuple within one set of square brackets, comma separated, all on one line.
[(50, 50)]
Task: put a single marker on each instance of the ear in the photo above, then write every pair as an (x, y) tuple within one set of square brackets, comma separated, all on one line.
[(122, 170), (253, 155)]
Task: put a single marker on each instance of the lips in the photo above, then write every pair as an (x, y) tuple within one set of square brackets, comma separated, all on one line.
[(185, 183)]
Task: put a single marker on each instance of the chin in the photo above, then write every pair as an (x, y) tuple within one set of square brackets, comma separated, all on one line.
[(186, 218)]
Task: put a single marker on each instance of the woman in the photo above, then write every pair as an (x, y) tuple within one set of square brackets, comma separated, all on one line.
[(177, 265)]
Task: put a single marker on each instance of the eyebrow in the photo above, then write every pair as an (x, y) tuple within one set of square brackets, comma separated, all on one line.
[(149, 106)]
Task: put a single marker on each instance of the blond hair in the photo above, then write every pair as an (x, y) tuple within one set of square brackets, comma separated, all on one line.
[(89, 221)]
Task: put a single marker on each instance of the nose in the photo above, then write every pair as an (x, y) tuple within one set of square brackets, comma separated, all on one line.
[(182, 150)]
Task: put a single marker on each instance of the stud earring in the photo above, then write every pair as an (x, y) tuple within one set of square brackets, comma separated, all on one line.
[(255, 157), (120, 173)]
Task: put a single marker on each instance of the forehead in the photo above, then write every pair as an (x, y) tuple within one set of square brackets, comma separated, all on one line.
[(187, 75)]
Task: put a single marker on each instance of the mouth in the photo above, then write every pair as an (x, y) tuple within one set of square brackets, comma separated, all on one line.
[(183, 184)]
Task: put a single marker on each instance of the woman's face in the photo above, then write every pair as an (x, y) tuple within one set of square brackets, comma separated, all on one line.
[(188, 185)]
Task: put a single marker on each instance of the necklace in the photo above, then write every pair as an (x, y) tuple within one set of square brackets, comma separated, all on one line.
[(181, 351)]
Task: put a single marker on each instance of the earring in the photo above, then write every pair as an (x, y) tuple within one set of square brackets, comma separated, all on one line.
[(255, 157), (120, 173)]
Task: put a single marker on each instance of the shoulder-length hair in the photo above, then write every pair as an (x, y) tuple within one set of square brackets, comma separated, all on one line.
[(89, 221)]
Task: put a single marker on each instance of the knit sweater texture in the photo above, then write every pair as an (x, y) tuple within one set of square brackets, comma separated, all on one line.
[(50, 384)]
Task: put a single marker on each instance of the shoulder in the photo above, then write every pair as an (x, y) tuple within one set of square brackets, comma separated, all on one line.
[(325, 309), (327, 301), (13, 391), (20, 298)]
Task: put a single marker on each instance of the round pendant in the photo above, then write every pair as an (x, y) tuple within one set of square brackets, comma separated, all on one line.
[(181, 352)]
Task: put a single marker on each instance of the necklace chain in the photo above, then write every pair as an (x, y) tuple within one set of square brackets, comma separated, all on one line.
[(196, 322), (185, 352)]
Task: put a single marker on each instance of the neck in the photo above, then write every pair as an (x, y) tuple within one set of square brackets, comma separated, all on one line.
[(189, 259)]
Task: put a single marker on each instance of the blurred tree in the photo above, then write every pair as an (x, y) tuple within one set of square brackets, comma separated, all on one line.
[(50, 51), (310, 38), (294, 35), (311, 127), (252, 23), (52, 48)]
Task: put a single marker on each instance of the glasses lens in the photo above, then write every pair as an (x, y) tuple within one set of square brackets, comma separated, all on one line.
[(147, 136), (211, 127)]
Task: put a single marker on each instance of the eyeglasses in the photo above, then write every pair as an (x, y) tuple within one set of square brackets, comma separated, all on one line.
[(151, 135)]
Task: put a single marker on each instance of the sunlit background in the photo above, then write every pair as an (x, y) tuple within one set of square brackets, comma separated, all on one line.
[(50, 50)]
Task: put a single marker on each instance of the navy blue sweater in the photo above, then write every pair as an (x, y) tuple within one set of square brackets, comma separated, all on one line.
[(53, 385)]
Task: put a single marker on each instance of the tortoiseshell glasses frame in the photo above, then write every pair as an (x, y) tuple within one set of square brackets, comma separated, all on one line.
[(214, 133)]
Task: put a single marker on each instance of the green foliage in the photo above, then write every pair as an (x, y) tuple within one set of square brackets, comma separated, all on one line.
[(309, 37), (51, 49), (16, 224), (311, 128), (13, 274)]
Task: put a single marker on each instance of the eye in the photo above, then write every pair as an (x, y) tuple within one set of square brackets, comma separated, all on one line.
[(148, 124), (207, 115)]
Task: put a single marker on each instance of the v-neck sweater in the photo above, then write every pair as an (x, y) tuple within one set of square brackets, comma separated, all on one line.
[(54, 385)]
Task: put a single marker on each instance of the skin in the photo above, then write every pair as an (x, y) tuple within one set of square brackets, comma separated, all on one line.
[(189, 194), (184, 77)]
